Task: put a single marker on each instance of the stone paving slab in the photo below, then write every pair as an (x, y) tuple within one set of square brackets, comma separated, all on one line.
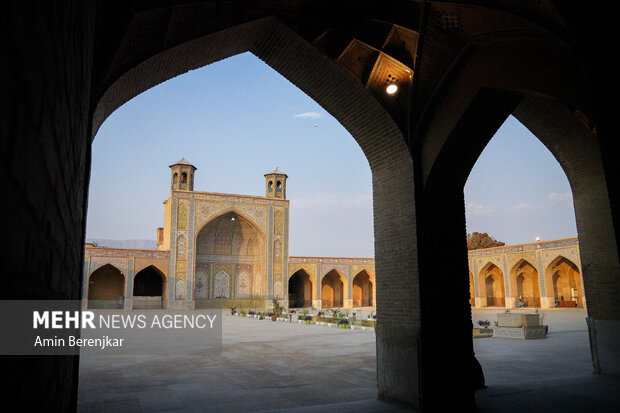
[(269, 366)]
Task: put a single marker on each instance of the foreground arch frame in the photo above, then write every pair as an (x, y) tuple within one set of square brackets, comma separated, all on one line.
[(465, 84), (379, 137)]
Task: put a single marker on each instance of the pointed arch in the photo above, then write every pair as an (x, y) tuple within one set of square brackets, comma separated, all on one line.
[(523, 284), (227, 211), (149, 285), (563, 282), (370, 123), (230, 236), (363, 288), (491, 286), (301, 291), (333, 289), (106, 287)]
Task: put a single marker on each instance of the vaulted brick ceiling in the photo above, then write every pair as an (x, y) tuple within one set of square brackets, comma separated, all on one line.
[(376, 43)]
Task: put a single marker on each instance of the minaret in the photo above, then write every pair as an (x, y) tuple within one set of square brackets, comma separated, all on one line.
[(182, 176), (275, 184)]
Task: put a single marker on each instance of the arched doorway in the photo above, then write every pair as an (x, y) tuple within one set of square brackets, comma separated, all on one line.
[(492, 286), (332, 289), (362, 290), (300, 290), (233, 248), (148, 287), (523, 285), (563, 281), (106, 288)]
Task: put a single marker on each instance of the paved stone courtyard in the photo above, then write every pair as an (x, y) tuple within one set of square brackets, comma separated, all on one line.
[(267, 366)]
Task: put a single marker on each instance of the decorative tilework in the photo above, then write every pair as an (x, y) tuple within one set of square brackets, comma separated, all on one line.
[(341, 268), (190, 253), (173, 236), (97, 262), (541, 274), (505, 271), (270, 260), (285, 272), (130, 275)]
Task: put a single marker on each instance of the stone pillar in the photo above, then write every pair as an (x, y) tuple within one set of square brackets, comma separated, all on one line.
[(450, 377), (128, 302), (478, 301), (546, 299), (510, 301), (398, 300), (348, 301), (318, 303)]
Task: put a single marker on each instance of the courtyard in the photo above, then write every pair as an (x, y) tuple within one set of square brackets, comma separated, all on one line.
[(274, 366)]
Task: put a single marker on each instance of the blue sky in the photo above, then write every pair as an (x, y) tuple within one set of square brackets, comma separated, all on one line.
[(238, 118)]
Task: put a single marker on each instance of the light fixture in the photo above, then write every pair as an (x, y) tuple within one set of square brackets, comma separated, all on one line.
[(232, 218), (537, 239), (391, 89)]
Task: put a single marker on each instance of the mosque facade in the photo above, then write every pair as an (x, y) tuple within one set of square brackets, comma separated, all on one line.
[(234, 250)]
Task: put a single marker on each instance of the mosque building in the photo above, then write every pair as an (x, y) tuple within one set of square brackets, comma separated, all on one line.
[(235, 249)]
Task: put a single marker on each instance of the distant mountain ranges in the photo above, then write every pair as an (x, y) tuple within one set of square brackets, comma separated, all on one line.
[(140, 244)]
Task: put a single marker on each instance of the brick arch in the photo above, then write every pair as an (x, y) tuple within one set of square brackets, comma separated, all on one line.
[(106, 287), (334, 289), (523, 284), (163, 268), (225, 211), (363, 286), (303, 281), (491, 285), (561, 276), (484, 86), (110, 263), (375, 130), (290, 55)]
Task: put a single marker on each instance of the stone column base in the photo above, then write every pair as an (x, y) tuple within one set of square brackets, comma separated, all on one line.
[(481, 301), (604, 345), (128, 304), (316, 304), (84, 304), (348, 304), (547, 302)]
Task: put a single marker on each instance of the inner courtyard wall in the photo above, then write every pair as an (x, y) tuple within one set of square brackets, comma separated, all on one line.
[(540, 256)]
